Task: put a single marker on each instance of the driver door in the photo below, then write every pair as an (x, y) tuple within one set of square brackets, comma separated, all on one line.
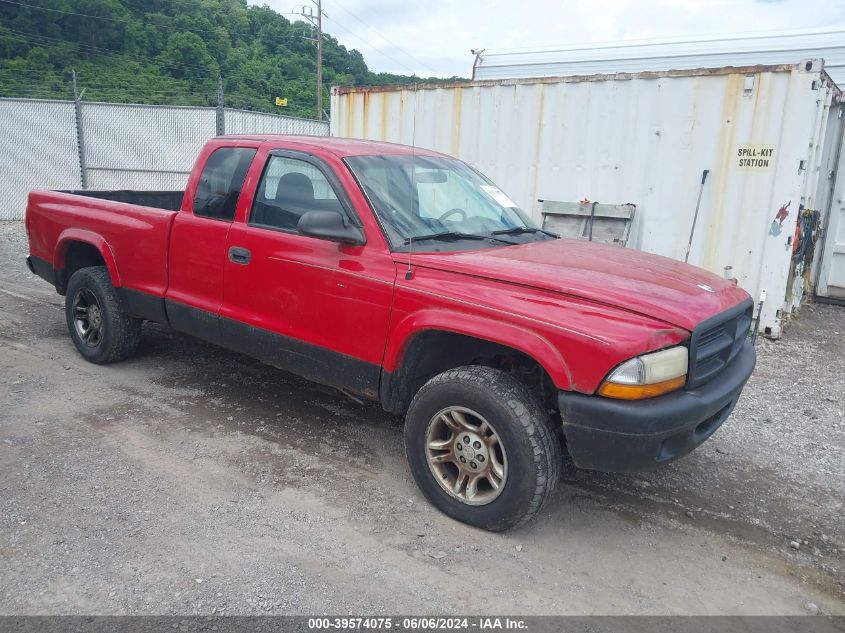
[(312, 306)]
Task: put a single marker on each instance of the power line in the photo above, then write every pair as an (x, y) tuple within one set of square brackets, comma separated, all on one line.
[(382, 36), (116, 93), (92, 93), (99, 49), (115, 90), (141, 95), (25, 70), (110, 89), (365, 42), (105, 79), (40, 39)]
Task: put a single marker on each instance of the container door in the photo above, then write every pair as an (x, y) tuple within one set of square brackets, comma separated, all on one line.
[(830, 282), (832, 274)]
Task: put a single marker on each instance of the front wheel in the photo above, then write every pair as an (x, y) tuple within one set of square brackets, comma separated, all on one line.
[(481, 448), (98, 324)]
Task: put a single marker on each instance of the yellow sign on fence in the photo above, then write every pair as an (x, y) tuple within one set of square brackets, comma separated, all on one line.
[(281, 102)]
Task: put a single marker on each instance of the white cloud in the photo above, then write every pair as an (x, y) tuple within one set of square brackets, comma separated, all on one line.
[(435, 37)]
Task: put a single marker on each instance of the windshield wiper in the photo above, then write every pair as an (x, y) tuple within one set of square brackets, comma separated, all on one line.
[(519, 230), (454, 235)]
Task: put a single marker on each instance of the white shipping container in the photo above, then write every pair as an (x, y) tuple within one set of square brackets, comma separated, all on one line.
[(643, 138)]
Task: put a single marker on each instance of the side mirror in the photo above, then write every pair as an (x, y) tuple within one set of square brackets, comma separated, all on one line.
[(330, 225)]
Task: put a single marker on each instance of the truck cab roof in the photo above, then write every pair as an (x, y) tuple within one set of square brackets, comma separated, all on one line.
[(340, 147)]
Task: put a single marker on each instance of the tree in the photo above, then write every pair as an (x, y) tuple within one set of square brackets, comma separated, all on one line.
[(187, 56)]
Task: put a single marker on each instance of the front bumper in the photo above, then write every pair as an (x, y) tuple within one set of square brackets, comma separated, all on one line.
[(627, 436)]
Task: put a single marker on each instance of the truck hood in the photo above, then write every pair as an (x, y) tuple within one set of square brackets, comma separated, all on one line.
[(671, 291)]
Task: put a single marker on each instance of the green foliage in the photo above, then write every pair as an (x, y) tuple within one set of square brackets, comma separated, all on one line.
[(186, 56), (171, 52)]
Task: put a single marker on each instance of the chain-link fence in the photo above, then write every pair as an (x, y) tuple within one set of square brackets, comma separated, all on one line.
[(65, 145), (38, 149)]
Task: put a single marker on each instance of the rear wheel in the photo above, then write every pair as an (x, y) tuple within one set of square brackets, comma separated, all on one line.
[(481, 448), (98, 324)]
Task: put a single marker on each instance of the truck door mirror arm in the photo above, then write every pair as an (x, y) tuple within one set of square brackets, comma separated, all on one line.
[(332, 226)]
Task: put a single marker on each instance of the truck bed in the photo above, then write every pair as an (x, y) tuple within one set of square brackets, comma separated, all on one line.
[(167, 200), (116, 222)]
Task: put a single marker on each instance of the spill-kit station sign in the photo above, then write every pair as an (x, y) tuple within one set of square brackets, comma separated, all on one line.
[(755, 156)]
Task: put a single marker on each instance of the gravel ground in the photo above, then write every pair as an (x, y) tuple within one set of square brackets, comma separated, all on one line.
[(193, 480)]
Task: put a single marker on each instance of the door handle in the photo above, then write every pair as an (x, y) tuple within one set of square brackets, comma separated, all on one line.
[(238, 255)]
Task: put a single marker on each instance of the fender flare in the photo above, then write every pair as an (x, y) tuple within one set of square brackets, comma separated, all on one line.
[(70, 235), (524, 340)]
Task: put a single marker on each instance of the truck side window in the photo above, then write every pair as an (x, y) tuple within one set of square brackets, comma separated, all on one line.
[(221, 181), (288, 189)]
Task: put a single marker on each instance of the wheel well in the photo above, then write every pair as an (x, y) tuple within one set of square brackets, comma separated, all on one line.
[(78, 255), (434, 351)]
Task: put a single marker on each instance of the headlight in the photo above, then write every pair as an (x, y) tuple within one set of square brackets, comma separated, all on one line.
[(647, 376)]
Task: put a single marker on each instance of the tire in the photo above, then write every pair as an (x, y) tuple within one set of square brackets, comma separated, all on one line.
[(118, 334), (525, 449)]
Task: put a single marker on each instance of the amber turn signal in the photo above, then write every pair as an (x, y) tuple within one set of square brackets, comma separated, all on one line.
[(640, 392)]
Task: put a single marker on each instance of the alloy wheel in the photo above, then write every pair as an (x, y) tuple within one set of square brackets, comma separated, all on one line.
[(466, 456)]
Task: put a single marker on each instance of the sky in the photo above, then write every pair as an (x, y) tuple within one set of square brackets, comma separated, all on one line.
[(434, 37)]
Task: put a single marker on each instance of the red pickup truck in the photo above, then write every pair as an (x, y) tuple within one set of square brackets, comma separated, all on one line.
[(405, 276)]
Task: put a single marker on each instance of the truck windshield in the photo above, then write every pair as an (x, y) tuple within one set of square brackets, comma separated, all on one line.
[(433, 199)]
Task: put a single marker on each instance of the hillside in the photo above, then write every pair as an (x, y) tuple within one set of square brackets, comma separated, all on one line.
[(171, 52)]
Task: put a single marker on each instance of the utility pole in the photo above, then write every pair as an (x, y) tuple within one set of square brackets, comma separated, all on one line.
[(319, 60), (316, 20)]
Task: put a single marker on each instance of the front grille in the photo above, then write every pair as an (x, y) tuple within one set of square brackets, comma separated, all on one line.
[(716, 341)]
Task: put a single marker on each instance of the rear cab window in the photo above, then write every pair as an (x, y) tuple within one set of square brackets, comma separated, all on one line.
[(221, 182)]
